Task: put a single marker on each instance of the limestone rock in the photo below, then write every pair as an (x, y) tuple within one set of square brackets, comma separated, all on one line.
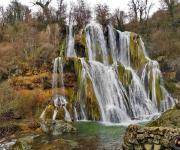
[(56, 127)]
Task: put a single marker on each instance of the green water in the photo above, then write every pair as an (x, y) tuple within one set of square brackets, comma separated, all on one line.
[(90, 136)]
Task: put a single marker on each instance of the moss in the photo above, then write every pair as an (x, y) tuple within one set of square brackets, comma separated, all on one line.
[(62, 48), (83, 41), (159, 94), (49, 111), (125, 76), (110, 59), (170, 118), (92, 106), (84, 93), (136, 52), (99, 55)]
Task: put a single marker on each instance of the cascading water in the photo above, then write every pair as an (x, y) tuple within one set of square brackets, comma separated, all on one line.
[(110, 94), (96, 42), (123, 55), (141, 105), (70, 43), (120, 97), (57, 76), (152, 76), (58, 82)]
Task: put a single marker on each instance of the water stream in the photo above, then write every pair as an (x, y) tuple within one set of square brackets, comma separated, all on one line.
[(144, 95)]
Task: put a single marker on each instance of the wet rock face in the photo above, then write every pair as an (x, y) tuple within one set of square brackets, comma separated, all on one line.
[(150, 138), (56, 127)]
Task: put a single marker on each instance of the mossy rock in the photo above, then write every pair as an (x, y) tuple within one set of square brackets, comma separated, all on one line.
[(137, 55), (170, 118), (56, 127), (125, 76)]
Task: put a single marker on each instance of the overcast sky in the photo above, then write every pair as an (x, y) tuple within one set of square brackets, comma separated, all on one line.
[(113, 4)]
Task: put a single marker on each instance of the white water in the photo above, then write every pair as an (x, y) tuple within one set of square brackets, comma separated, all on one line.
[(123, 55), (109, 91), (141, 105), (118, 103), (67, 116), (42, 116), (57, 76), (70, 46), (94, 37), (152, 74)]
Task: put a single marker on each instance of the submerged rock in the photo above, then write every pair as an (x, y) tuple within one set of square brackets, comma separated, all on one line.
[(56, 127)]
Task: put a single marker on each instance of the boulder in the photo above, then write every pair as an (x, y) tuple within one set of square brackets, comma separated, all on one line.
[(56, 127)]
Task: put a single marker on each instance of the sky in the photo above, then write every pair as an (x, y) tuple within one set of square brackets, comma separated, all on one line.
[(113, 4)]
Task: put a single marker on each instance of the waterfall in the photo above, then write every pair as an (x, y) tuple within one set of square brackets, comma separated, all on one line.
[(57, 76), (140, 104), (96, 42), (58, 81), (112, 43), (42, 116), (152, 76), (123, 55), (109, 91), (70, 46), (127, 84), (59, 101)]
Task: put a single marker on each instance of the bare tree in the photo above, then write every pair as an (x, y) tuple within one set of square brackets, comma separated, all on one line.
[(103, 15), (61, 12), (118, 19), (81, 14), (45, 7), (134, 8), (139, 10)]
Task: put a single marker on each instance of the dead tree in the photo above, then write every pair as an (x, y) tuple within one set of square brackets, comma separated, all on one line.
[(45, 8)]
